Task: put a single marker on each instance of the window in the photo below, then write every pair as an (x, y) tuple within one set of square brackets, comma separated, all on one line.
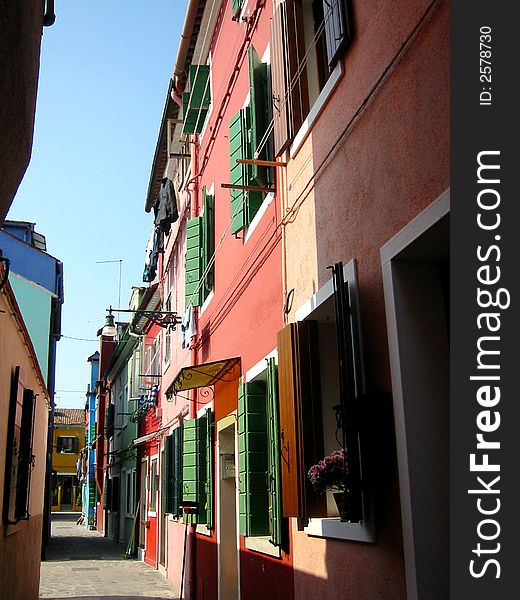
[(200, 247), (130, 493), (260, 509), (69, 444), (153, 486), (197, 466), (172, 472), (19, 455), (308, 37), (236, 6), (196, 99), (249, 139), (316, 401)]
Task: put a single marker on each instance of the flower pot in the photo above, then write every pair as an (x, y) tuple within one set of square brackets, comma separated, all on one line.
[(341, 502)]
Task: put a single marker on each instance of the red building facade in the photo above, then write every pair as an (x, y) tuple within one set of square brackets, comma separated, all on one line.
[(306, 146)]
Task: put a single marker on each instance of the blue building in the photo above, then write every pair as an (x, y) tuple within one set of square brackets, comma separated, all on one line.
[(89, 484), (36, 279)]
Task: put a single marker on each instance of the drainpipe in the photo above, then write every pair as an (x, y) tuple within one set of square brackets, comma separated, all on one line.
[(187, 31), (191, 549)]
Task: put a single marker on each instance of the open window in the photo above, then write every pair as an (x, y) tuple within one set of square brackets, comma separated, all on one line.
[(308, 39), (260, 508), (197, 467), (250, 138), (196, 99), (200, 247), (317, 415)]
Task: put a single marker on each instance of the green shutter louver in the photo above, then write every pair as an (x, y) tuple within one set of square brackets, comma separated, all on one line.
[(209, 468), (273, 437), (196, 100), (237, 149), (197, 467), (208, 242), (193, 290), (252, 443), (236, 5), (244, 205)]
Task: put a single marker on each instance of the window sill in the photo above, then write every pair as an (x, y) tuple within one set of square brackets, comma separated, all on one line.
[(258, 217), (316, 109), (203, 530), (262, 545), (334, 528)]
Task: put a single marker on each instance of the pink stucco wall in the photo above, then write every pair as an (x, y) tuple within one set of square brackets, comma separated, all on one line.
[(20, 544), (355, 182)]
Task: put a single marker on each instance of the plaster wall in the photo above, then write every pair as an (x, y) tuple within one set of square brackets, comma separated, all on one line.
[(353, 184), (20, 543), (21, 25)]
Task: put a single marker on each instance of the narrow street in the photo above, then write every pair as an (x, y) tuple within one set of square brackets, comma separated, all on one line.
[(82, 564)]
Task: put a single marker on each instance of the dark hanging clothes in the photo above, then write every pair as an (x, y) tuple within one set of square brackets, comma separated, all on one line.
[(165, 206)]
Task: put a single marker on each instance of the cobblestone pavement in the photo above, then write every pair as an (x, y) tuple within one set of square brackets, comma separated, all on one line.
[(84, 565)]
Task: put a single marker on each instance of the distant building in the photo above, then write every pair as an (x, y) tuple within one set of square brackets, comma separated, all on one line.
[(68, 442)]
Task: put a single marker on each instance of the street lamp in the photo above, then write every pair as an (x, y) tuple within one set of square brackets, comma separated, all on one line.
[(163, 318)]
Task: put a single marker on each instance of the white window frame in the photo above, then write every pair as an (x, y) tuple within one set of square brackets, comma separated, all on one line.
[(150, 512)]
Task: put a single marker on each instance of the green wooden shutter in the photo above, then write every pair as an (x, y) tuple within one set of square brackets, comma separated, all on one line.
[(194, 466), (237, 171), (209, 468), (176, 491), (196, 101), (193, 290), (236, 5), (273, 440), (167, 469), (208, 241), (252, 443)]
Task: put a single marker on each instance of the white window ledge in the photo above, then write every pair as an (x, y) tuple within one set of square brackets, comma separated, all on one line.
[(259, 214), (203, 530), (263, 545), (334, 528), (316, 109)]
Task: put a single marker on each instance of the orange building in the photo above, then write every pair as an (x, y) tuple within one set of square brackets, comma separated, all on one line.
[(68, 441)]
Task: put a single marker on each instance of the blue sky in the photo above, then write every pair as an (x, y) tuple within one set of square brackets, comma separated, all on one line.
[(105, 67)]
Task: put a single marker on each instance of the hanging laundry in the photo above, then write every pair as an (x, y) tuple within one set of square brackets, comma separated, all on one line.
[(165, 207), (154, 393), (187, 326)]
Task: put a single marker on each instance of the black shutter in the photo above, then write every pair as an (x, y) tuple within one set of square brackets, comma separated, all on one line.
[(338, 29)]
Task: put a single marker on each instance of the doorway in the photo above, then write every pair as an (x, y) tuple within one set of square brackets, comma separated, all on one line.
[(416, 282), (227, 509)]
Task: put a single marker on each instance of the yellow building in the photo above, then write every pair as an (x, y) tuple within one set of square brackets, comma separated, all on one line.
[(68, 441)]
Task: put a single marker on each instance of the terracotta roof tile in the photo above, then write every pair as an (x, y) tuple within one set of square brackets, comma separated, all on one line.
[(69, 416)]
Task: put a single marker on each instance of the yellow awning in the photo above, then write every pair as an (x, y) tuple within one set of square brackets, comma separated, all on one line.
[(205, 375)]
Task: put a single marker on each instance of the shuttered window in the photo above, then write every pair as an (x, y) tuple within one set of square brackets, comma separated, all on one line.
[(273, 441), (252, 443), (338, 29), (200, 247), (19, 458), (197, 467), (196, 99), (260, 110), (301, 429), (301, 32), (236, 6), (259, 459), (244, 204), (193, 261)]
